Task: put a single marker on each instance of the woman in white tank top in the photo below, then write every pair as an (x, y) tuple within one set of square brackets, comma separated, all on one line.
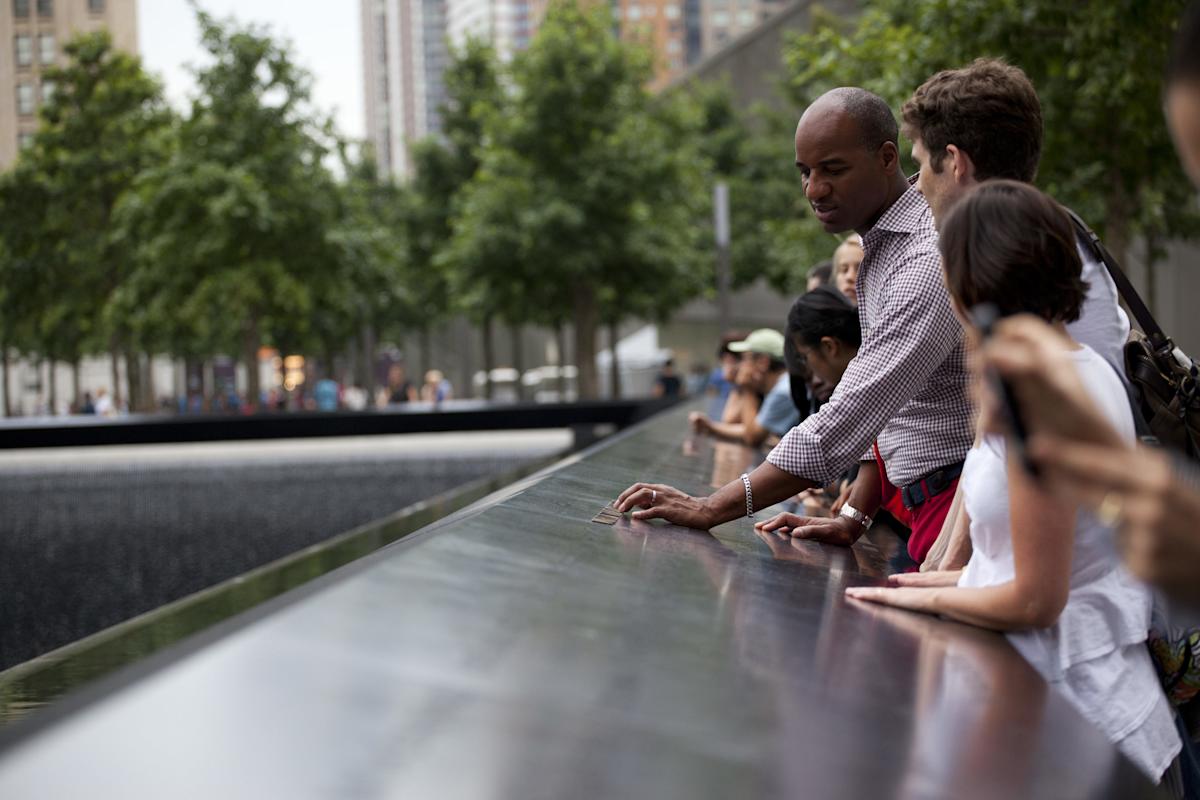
[(1045, 572)]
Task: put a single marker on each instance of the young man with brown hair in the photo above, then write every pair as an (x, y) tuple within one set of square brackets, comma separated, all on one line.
[(984, 121)]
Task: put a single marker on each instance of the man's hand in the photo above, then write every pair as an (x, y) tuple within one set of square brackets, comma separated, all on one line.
[(833, 530), (659, 501), (699, 422)]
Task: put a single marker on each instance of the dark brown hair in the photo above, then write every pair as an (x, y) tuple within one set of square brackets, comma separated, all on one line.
[(1008, 244), (988, 109)]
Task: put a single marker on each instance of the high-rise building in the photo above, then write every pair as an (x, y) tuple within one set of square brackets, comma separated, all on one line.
[(34, 32), (724, 20), (507, 24), (404, 57), (671, 28)]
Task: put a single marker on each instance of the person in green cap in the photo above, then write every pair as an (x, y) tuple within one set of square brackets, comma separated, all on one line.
[(762, 372)]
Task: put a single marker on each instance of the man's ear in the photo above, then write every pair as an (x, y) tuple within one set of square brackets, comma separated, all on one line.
[(889, 157), (961, 165), (829, 347)]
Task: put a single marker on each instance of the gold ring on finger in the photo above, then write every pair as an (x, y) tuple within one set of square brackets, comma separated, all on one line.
[(1111, 509)]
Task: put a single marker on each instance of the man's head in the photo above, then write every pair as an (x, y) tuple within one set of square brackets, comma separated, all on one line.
[(846, 260), (971, 124), (1183, 92), (819, 275), (762, 358), (824, 330), (848, 158)]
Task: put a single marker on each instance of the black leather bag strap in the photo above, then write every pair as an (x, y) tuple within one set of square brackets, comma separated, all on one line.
[(1142, 314)]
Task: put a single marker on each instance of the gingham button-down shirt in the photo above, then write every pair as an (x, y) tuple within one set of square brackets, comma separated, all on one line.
[(907, 387)]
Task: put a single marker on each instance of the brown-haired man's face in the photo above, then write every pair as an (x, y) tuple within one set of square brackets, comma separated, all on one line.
[(845, 183), (939, 188)]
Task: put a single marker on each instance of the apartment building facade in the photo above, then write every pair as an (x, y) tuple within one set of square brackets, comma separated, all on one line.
[(35, 32)]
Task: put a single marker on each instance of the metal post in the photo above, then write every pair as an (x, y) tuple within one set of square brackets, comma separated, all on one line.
[(721, 213)]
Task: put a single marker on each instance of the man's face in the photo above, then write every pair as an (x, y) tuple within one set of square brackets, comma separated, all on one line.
[(940, 189), (845, 183), (752, 374), (1183, 118), (846, 260)]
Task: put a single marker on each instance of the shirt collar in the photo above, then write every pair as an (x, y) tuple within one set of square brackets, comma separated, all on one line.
[(907, 214)]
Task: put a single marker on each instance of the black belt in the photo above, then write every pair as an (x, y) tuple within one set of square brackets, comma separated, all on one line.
[(931, 485)]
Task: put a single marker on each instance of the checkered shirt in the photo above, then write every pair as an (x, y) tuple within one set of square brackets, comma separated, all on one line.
[(907, 387)]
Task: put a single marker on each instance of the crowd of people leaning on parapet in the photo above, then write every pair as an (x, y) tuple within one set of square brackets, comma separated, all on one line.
[(964, 365)]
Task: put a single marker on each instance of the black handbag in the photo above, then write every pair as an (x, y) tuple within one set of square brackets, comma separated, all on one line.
[(1165, 380)]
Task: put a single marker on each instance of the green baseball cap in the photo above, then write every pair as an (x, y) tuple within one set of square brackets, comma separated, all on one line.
[(764, 340)]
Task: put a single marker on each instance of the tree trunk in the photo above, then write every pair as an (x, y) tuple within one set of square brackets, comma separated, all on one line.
[(1151, 289), (425, 353), (585, 342), (489, 357), (149, 397), (52, 375), (514, 332), (1116, 220), (77, 390), (114, 350), (613, 365), (133, 375), (560, 345), (250, 343), (367, 361), (4, 364)]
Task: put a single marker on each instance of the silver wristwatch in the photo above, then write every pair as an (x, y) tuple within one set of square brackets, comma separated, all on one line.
[(856, 515)]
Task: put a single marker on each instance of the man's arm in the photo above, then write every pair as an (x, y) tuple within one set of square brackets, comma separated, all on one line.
[(915, 331), (769, 485)]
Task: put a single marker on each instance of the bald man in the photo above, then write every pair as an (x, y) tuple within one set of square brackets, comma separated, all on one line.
[(906, 388)]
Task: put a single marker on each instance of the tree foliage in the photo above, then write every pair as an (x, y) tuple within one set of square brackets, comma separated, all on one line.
[(585, 204), (1097, 66), (65, 262)]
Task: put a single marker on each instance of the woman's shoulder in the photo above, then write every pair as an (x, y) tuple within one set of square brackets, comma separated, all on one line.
[(1106, 389)]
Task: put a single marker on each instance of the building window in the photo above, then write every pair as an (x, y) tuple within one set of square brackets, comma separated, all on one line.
[(720, 19), (48, 88), (24, 140), (45, 8), (745, 18), (24, 50), (672, 11), (674, 46), (96, 6), (20, 8), (25, 100), (46, 51)]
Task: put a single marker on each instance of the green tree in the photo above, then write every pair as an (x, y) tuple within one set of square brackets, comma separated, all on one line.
[(772, 236), (66, 262), (443, 168), (582, 203), (1096, 66), (372, 296), (236, 230)]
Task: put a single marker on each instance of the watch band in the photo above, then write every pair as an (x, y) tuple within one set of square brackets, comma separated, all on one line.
[(856, 515)]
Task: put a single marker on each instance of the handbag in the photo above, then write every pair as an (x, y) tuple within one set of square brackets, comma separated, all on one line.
[(1165, 381), (1165, 394)]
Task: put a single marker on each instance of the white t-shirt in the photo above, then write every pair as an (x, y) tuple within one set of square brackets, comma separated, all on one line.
[(1102, 324), (1095, 654)]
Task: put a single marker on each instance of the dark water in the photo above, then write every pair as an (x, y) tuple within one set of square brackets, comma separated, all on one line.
[(33, 684)]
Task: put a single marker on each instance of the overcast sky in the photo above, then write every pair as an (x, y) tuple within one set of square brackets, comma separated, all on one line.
[(324, 35)]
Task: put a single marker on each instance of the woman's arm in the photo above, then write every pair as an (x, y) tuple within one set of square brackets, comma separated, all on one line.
[(1043, 531)]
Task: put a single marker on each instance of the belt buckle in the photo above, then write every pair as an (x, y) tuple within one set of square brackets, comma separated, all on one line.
[(936, 483)]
